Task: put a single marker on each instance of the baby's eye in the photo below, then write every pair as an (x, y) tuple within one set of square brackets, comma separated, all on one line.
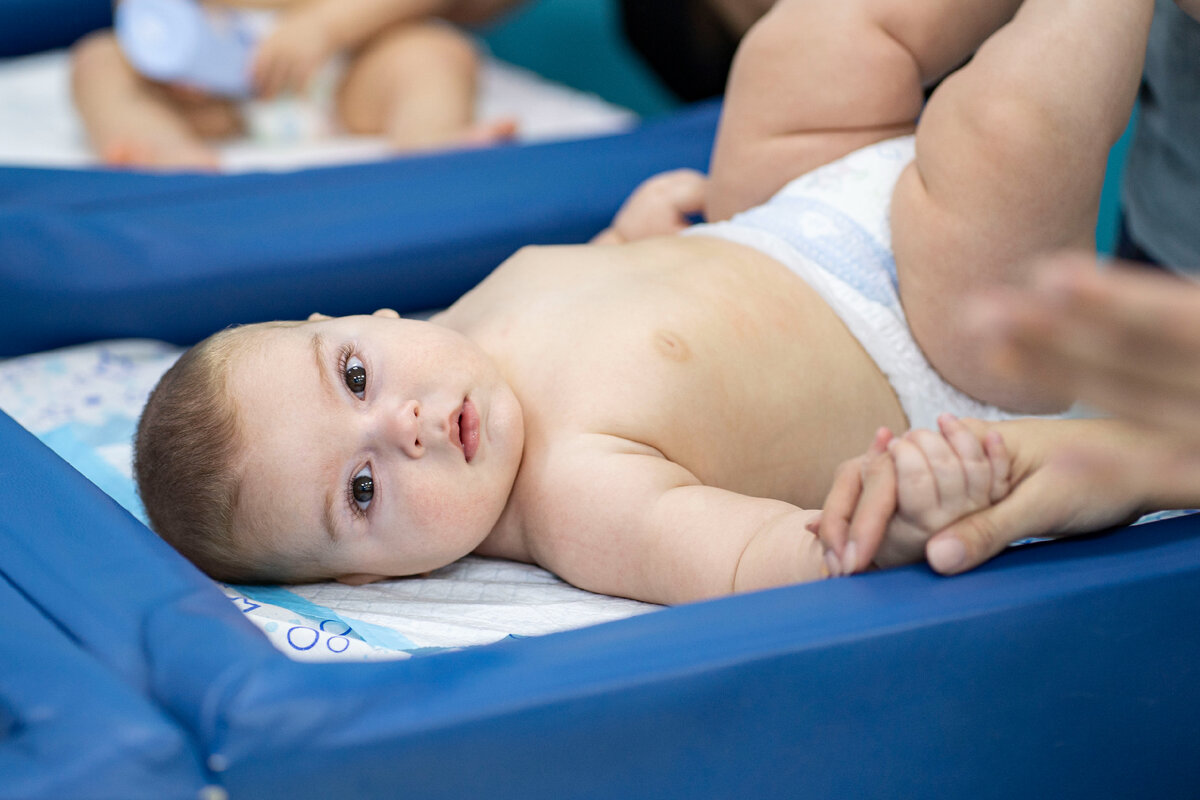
[(355, 376), (362, 489)]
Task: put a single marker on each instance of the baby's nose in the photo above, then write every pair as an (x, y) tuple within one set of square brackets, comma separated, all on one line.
[(402, 428)]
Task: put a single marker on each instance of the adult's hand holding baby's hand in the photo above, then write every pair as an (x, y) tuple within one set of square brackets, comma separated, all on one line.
[(289, 57), (885, 506)]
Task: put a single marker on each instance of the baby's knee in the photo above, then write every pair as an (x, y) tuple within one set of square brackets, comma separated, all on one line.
[(416, 48), (95, 55)]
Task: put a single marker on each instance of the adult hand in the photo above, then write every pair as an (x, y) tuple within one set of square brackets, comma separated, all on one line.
[(1124, 340)]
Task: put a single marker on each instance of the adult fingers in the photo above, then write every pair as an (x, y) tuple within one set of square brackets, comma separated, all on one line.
[(1000, 466), (1032, 509)]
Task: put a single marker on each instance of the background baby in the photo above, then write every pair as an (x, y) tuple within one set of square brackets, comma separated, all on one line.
[(412, 82)]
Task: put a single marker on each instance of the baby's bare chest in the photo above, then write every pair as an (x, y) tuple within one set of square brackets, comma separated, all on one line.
[(747, 380)]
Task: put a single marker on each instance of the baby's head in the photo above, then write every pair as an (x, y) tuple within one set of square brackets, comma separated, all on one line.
[(351, 448)]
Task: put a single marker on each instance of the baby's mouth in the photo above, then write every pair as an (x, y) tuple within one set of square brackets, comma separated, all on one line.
[(467, 429)]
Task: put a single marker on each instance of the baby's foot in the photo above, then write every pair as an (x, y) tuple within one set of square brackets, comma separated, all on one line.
[(495, 131), (160, 156)]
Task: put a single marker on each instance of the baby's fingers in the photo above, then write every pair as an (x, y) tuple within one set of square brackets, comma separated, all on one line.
[(916, 484), (976, 467), (1001, 466)]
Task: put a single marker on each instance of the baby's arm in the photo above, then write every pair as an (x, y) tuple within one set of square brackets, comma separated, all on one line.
[(814, 80), (616, 517), (661, 205)]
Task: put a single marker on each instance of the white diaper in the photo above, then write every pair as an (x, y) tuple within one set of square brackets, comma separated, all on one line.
[(832, 228)]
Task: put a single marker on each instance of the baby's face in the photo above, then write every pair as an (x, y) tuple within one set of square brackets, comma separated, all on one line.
[(378, 446)]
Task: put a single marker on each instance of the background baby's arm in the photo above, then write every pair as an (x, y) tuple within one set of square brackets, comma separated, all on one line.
[(617, 517), (814, 80)]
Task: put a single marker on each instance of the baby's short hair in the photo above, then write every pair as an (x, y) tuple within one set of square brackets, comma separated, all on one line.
[(187, 455), (185, 458)]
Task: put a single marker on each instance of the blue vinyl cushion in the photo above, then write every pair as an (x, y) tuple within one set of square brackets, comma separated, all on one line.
[(90, 255), (1065, 670)]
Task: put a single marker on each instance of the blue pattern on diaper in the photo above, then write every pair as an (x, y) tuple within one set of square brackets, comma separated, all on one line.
[(834, 241)]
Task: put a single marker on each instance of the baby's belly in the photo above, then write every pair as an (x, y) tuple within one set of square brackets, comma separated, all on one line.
[(759, 386)]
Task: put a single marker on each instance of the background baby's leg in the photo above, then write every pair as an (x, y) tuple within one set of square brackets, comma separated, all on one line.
[(817, 79), (130, 121), (414, 84), (1011, 153)]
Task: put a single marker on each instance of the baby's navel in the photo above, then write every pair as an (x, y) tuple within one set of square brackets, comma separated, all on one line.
[(671, 345)]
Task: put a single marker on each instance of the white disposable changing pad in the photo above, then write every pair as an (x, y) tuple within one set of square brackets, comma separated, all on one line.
[(84, 402), (39, 127)]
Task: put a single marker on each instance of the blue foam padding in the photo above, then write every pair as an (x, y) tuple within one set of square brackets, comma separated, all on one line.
[(1067, 669), (1063, 671), (30, 26), (90, 255), (68, 728), (94, 569)]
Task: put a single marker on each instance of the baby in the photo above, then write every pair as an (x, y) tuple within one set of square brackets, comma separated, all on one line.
[(659, 416), (411, 82)]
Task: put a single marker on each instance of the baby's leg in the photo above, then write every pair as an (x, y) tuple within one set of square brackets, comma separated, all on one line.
[(132, 122), (415, 84), (1011, 152), (817, 79)]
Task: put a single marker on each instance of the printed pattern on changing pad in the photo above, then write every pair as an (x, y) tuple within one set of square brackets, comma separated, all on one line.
[(83, 402)]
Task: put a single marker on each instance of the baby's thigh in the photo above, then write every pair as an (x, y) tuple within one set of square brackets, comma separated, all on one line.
[(408, 60)]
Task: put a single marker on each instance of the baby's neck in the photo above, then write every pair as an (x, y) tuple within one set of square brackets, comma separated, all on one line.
[(507, 539)]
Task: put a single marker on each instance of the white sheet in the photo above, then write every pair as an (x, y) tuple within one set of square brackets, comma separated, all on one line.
[(39, 127)]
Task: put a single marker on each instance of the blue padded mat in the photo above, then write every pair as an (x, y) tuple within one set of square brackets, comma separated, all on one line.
[(69, 728), (90, 255), (1063, 669)]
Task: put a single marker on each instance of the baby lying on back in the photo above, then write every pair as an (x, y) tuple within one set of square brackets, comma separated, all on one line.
[(660, 418)]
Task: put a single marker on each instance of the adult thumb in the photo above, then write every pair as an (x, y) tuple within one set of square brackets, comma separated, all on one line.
[(973, 540)]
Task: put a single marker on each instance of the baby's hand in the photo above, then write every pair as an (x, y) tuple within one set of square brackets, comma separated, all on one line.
[(885, 505), (661, 205), (941, 477), (289, 57)]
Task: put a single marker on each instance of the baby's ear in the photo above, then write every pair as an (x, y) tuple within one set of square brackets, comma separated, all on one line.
[(391, 313), (316, 316), (359, 579)]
